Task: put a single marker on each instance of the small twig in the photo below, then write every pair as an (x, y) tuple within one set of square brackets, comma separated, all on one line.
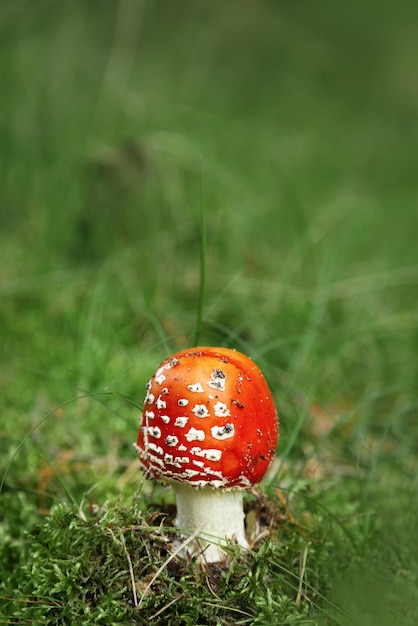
[(228, 608), (131, 573), (167, 561), (210, 588), (29, 621), (303, 559), (26, 600), (166, 606)]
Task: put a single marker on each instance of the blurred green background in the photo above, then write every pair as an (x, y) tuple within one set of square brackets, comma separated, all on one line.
[(293, 126)]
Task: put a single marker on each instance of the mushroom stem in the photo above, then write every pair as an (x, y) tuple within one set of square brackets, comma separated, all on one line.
[(219, 513)]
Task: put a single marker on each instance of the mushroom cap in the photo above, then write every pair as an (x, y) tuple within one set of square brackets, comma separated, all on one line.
[(208, 419)]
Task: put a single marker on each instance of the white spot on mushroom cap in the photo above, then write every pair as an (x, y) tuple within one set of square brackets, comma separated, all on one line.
[(213, 455), (154, 431), (149, 415), (155, 448), (171, 440), (200, 410), (196, 388), (169, 460), (210, 454), (182, 448), (182, 459), (217, 380), (218, 484), (165, 419), (195, 435), (177, 461), (189, 473), (155, 460), (149, 398), (223, 432), (161, 404), (221, 410), (159, 376), (244, 482), (209, 470), (183, 402), (197, 451), (181, 421)]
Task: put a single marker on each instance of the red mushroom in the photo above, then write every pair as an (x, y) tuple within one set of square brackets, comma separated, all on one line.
[(209, 427)]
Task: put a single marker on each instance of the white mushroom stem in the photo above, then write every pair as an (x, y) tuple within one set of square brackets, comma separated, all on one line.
[(218, 512)]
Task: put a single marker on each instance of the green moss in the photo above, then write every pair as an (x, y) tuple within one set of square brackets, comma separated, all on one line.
[(76, 570)]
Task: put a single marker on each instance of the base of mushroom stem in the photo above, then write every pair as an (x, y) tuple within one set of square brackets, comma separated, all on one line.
[(217, 514)]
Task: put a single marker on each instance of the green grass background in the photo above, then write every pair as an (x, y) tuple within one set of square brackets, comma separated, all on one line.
[(293, 127)]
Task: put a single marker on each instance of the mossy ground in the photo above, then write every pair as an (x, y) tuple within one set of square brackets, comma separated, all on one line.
[(292, 127), (121, 566)]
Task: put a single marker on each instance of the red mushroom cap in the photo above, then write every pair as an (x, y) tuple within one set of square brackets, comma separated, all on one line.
[(208, 419)]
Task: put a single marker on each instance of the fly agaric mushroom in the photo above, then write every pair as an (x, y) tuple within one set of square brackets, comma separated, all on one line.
[(209, 427)]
